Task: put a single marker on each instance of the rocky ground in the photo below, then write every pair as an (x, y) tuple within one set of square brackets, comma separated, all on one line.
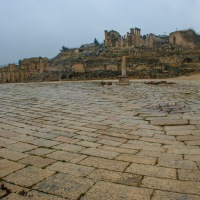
[(84, 141)]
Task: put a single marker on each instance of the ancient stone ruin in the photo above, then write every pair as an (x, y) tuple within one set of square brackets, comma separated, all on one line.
[(187, 39), (147, 56)]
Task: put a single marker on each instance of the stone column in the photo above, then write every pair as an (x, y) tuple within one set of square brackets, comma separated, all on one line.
[(124, 71), (151, 40), (106, 38), (123, 79)]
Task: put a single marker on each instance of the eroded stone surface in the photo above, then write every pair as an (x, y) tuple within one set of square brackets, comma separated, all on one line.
[(65, 185), (77, 170), (115, 177), (110, 191), (28, 176)]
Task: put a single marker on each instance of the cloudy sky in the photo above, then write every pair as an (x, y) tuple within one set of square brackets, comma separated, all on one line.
[(32, 28)]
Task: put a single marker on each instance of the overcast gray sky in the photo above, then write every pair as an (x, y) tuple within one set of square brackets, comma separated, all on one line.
[(31, 28)]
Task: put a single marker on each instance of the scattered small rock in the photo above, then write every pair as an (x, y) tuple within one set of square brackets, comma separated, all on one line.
[(158, 82)]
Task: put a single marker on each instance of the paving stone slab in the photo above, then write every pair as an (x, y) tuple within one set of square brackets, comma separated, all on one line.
[(65, 185), (110, 191), (88, 144), (180, 128), (150, 170), (11, 155), (161, 195), (137, 159), (177, 163), (184, 151), (74, 169), (188, 187), (7, 133), (41, 151), (14, 188), (189, 175), (115, 177), (7, 167), (21, 147), (109, 142), (69, 147), (44, 143), (105, 163), (62, 155), (116, 139), (119, 149), (192, 157), (37, 161), (32, 195), (100, 153), (28, 176), (169, 122), (5, 141), (66, 140)]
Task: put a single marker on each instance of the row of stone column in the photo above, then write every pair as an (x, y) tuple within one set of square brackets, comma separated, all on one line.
[(12, 77)]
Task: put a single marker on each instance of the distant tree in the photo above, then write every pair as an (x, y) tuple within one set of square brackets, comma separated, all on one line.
[(96, 42), (64, 49), (20, 62)]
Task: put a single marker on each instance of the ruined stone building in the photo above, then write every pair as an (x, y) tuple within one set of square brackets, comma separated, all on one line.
[(27, 67), (185, 39), (132, 39)]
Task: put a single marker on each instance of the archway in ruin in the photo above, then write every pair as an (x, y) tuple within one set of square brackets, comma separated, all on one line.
[(187, 60), (64, 76)]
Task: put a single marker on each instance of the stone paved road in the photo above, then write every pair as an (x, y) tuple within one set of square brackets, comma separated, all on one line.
[(82, 141)]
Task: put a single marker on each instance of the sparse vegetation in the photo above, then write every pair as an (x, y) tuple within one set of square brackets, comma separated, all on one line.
[(64, 49), (96, 42)]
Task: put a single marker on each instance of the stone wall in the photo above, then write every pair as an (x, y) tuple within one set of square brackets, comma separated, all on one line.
[(186, 39), (19, 73), (78, 68)]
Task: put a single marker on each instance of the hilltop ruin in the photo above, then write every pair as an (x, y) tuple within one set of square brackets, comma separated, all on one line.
[(148, 56)]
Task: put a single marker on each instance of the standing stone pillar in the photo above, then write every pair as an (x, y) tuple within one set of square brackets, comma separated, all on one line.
[(124, 79)]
